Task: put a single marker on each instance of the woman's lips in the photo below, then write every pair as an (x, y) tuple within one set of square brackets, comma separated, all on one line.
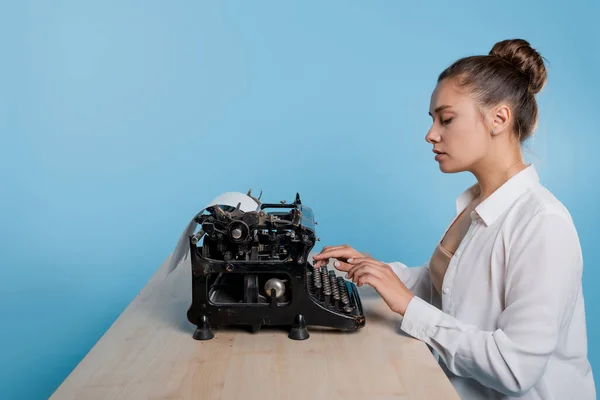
[(438, 155)]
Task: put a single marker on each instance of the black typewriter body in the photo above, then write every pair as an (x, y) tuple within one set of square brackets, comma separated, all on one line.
[(252, 270)]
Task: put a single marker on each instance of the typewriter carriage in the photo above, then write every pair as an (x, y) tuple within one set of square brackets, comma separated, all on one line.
[(252, 269)]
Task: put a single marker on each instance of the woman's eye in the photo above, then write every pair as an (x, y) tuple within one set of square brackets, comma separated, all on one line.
[(446, 121)]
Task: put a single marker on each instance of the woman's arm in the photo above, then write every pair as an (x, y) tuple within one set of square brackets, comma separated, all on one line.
[(416, 279), (543, 280)]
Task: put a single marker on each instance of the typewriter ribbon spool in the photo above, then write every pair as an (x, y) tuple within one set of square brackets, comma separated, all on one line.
[(250, 267)]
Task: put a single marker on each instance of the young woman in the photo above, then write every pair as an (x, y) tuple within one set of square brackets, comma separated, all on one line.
[(500, 300)]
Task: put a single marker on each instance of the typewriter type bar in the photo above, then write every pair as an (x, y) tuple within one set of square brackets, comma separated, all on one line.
[(252, 270)]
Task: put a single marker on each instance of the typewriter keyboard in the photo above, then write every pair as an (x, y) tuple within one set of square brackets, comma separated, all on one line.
[(329, 289)]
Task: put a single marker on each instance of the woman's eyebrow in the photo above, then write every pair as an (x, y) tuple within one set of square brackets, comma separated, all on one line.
[(440, 108)]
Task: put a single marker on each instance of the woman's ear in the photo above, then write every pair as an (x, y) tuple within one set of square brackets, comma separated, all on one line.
[(500, 119)]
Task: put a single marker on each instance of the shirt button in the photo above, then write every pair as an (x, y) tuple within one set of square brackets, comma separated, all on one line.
[(446, 290)]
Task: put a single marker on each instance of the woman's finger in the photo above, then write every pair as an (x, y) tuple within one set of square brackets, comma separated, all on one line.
[(321, 259), (318, 263), (339, 253), (359, 259), (367, 269), (355, 266), (370, 280), (337, 264), (364, 261), (327, 249), (340, 265)]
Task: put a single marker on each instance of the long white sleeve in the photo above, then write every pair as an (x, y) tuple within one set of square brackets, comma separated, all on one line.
[(543, 274), (416, 279)]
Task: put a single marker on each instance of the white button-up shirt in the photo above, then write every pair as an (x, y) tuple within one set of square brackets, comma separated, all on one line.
[(510, 321)]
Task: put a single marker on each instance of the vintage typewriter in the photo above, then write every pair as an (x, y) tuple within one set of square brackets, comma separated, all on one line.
[(250, 268)]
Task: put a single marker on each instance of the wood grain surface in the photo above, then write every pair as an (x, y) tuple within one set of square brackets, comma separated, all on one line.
[(149, 353)]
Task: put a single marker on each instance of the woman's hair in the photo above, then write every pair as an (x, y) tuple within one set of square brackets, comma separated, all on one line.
[(512, 71)]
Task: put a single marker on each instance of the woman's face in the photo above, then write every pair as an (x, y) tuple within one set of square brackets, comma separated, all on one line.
[(458, 132)]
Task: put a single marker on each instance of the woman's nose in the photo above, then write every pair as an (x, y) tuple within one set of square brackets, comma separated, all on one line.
[(432, 136)]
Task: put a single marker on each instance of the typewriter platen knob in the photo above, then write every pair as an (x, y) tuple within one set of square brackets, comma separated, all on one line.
[(236, 233), (276, 284)]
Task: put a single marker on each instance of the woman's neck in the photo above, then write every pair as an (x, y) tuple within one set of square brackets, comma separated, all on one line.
[(493, 175)]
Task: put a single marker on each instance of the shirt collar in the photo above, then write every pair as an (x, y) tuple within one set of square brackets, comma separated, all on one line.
[(492, 207)]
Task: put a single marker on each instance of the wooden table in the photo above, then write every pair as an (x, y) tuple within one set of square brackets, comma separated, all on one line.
[(149, 353)]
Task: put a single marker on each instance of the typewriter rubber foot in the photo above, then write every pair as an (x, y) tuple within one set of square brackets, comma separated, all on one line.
[(299, 331), (203, 331)]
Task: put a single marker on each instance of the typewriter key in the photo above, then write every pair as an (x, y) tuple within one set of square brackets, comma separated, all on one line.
[(335, 290), (343, 291), (317, 279), (326, 282), (309, 280)]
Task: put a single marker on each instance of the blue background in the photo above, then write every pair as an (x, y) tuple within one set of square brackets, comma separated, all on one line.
[(120, 120)]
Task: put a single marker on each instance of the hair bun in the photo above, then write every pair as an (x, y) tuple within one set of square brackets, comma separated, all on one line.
[(521, 55)]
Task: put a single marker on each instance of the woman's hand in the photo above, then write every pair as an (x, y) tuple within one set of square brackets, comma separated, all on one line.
[(363, 269), (340, 253), (382, 278)]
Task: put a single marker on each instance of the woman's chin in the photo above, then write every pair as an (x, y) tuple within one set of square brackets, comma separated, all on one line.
[(447, 167)]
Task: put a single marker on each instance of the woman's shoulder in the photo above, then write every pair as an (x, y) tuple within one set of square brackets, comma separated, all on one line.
[(541, 231), (539, 213), (541, 202)]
